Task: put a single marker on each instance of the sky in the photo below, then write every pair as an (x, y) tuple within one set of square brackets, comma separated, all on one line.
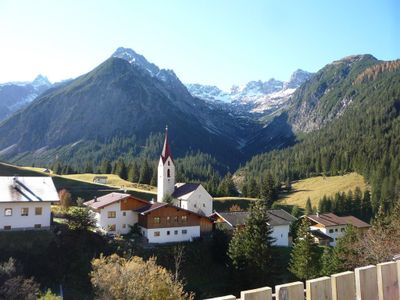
[(217, 42)]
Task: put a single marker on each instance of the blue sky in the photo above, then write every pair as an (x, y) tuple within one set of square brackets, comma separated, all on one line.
[(217, 42)]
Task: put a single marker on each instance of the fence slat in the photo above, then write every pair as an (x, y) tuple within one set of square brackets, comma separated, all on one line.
[(290, 291), (319, 289), (229, 297), (366, 283), (388, 285), (264, 293), (343, 286)]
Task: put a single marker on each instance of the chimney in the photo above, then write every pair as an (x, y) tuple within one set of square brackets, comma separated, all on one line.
[(152, 201), (14, 183), (318, 214), (95, 199)]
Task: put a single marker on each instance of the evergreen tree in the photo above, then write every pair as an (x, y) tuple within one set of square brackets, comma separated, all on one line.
[(250, 246), (105, 167), (133, 172), (305, 255), (145, 173), (308, 210), (267, 190), (252, 189)]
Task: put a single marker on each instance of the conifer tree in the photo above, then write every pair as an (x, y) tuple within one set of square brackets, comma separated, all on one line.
[(305, 255), (308, 210)]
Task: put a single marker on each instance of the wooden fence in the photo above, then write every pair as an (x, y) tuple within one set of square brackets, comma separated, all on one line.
[(380, 282)]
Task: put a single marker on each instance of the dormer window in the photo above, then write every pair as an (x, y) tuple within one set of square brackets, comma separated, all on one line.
[(168, 173)]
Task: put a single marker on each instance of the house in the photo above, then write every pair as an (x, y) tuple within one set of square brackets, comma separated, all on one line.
[(163, 223), (25, 202), (279, 220), (334, 226), (190, 196), (114, 212), (100, 179)]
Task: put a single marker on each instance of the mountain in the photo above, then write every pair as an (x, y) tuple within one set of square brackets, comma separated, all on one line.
[(15, 95), (349, 118), (120, 109), (260, 97)]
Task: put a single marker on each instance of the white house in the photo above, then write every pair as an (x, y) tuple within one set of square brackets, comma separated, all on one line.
[(25, 202), (190, 196), (334, 226), (279, 220)]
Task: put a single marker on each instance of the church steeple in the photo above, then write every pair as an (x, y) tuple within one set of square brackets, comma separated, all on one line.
[(166, 151), (166, 171)]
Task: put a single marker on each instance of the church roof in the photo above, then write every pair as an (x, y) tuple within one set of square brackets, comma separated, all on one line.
[(166, 151), (184, 189)]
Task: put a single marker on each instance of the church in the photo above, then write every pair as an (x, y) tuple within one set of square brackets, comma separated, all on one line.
[(190, 196), (184, 218)]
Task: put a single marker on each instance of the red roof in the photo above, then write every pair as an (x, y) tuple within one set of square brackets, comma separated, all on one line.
[(166, 151), (108, 199)]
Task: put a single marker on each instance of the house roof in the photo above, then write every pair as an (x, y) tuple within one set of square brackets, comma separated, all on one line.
[(166, 151), (157, 205), (108, 199), (276, 217), (182, 189), (330, 219), (28, 189), (320, 235)]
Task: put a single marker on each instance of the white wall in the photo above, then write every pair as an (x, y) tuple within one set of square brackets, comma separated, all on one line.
[(103, 221), (281, 234), (165, 184), (17, 221), (192, 232), (199, 201), (338, 232)]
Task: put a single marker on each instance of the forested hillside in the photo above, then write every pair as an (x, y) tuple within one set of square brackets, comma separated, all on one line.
[(365, 139)]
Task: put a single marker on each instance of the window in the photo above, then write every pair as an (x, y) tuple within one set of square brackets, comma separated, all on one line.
[(168, 163), (336, 230), (168, 232), (156, 220), (176, 232), (24, 211), (111, 214), (38, 211), (156, 233), (330, 230), (184, 219), (184, 231), (176, 219), (204, 205), (8, 212), (168, 219), (195, 205), (111, 227), (342, 229), (123, 225), (168, 173), (7, 227), (37, 226), (124, 213)]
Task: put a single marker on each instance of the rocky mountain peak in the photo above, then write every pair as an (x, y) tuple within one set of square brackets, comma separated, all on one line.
[(136, 59), (297, 78), (41, 81)]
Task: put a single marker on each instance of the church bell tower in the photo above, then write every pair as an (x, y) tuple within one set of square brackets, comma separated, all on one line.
[(166, 171)]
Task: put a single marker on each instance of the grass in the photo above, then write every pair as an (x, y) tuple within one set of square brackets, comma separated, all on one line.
[(317, 187), (224, 203)]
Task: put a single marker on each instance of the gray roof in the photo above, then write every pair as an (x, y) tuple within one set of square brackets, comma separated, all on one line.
[(276, 217), (182, 189), (28, 189)]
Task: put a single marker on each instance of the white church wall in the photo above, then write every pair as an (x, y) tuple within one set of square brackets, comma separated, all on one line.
[(165, 178), (199, 201)]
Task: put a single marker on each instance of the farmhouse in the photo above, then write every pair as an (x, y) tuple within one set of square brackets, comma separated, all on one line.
[(100, 179), (25, 202), (279, 220), (333, 226)]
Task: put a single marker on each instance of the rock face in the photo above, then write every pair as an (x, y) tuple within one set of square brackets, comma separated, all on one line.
[(15, 95)]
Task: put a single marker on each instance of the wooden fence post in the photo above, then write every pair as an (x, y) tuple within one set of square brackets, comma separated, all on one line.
[(343, 286), (366, 283), (264, 293), (319, 289), (290, 291), (388, 285)]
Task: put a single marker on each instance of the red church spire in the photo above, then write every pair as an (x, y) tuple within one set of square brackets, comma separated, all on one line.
[(166, 151)]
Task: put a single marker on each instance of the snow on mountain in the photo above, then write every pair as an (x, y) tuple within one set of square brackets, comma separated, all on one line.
[(256, 96)]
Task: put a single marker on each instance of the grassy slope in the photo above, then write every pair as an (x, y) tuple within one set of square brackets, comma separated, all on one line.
[(317, 187), (77, 188)]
